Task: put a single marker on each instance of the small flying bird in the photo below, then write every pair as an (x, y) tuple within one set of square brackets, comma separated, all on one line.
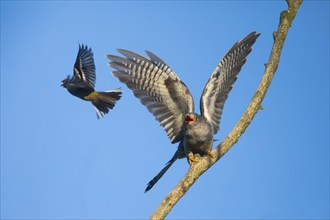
[(169, 100), (82, 83)]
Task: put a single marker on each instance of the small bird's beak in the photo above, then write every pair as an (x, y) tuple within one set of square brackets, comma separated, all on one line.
[(64, 82)]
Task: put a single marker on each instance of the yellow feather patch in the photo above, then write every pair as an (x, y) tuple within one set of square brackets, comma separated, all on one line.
[(92, 96)]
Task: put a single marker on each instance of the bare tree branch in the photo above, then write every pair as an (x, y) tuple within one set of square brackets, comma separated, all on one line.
[(197, 169)]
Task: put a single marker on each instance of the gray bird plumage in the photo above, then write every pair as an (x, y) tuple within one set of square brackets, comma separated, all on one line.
[(223, 78), (169, 100), (158, 88)]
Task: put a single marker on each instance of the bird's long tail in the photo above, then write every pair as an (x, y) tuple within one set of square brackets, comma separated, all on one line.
[(105, 101), (162, 172)]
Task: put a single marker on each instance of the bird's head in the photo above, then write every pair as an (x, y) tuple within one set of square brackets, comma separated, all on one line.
[(65, 81), (190, 118)]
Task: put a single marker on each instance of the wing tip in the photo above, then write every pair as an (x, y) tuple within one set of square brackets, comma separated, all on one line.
[(84, 47), (252, 37)]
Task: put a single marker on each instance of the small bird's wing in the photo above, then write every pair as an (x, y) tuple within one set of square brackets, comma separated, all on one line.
[(84, 67), (223, 78), (158, 88)]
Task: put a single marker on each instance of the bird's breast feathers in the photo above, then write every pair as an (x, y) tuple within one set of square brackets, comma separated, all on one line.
[(198, 135)]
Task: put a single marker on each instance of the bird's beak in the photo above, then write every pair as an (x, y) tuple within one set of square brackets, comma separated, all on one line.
[(63, 82), (189, 119)]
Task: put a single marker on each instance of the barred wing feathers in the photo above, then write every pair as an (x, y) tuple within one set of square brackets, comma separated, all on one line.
[(158, 88), (223, 78)]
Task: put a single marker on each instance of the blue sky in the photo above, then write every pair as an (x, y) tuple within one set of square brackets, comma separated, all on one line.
[(58, 161)]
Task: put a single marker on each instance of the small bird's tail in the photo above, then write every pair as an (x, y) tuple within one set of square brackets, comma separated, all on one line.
[(105, 101), (162, 172)]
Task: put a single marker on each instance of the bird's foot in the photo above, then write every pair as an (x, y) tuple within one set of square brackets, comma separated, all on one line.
[(209, 152), (191, 158)]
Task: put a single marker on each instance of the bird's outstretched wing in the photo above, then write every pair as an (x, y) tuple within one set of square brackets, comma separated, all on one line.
[(84, 67), (158, 88), (222, 80)]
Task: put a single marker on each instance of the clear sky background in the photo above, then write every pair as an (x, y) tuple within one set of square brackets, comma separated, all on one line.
[(59, 161)]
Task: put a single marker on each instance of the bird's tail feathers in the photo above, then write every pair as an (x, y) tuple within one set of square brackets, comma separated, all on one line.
[(162, 172), (105, 101)]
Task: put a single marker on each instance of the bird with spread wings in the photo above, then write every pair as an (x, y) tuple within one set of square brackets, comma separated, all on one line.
[(160, 89), (82, 83)]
